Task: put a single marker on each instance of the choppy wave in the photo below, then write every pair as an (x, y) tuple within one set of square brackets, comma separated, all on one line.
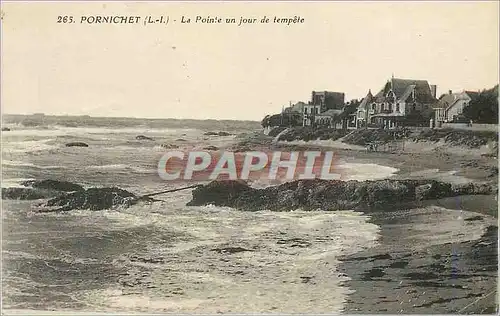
[(14, 182), (16, 164), (285, 250), (29, 146), (124, 167)]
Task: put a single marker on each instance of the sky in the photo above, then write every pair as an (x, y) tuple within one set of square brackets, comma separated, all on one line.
[(226, 71)]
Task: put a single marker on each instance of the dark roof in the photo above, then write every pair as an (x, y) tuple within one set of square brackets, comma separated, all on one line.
[(403, 88)]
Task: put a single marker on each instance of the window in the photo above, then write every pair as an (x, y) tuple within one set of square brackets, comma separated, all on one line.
[(374, 106), (397, 107)]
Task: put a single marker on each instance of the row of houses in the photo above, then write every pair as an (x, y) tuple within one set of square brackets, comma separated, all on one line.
[(400, 102)]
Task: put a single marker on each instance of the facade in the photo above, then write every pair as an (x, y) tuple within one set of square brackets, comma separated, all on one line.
[(310, 111), (364, 111), (317, 110), (327, 118), (398, 99), (450, 106)]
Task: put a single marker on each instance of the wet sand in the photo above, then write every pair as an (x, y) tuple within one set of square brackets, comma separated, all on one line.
[(421, 277), (394, 277)]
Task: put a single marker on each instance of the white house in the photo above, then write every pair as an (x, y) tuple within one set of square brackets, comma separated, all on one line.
[(451, 105)]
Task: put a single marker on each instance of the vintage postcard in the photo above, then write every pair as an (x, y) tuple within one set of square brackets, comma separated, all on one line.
[(249, 157)]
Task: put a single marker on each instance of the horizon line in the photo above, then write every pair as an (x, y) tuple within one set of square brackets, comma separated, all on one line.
[(126, 117)]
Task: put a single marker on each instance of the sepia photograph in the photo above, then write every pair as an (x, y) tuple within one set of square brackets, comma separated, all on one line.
[(244, 157)]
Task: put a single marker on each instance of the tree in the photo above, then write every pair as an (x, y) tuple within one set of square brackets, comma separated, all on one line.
[(483, 108), (350, 108), (282, 119)]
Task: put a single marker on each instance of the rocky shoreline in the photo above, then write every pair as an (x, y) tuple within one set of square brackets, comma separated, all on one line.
[(409, 271), (329, 195), (397, 277), (63, 196)]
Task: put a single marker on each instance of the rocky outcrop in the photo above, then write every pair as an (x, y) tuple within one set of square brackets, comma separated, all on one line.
[(93, 199), (221, 133), (452, 137), (77, 144), (362, 137), (169, 146), (28, 194), (40, 189), (328, 195), (211, 148), (252, 141), (142, 137), (56, 185), (308, 133)]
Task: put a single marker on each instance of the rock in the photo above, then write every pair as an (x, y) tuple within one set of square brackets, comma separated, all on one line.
[(363, 137), (55, 185), (77, 144), (219, 193), (328, 195), (5, 129), (91, 199), (27, 194), (211, 148), (309, 133), (433, 190), (230, 250), (142, 137), (422, 191), (473, 189), (169, 146), (221, 133)]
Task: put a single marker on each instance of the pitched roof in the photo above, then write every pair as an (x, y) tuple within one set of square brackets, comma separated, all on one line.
[(449, 99), (472, 94), (366, 100), (403, 88)]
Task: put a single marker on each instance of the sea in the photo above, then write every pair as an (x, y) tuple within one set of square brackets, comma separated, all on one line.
[(163, 257)]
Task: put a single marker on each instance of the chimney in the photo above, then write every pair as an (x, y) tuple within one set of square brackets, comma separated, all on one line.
[(433, 90), (450, 92)]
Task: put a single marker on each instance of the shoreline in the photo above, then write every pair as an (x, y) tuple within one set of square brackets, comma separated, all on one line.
[(450, 277)]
